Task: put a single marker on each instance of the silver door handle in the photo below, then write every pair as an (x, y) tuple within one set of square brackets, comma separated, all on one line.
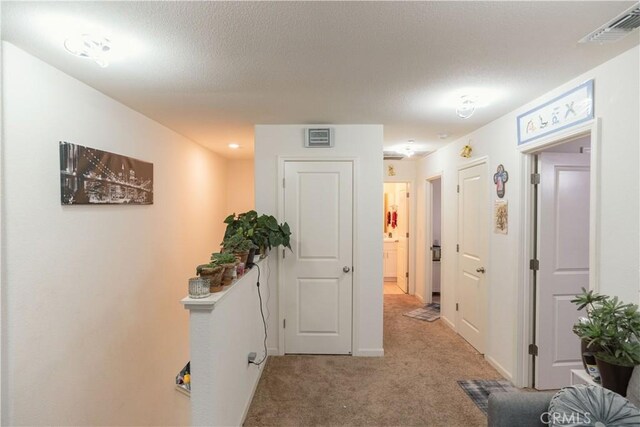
[(346, 269), (480, 270)]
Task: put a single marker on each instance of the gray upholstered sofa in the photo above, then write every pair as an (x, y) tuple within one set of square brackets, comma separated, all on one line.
[(518, 409)]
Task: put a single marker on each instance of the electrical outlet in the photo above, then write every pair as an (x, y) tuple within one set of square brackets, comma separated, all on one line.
[(251, 358)]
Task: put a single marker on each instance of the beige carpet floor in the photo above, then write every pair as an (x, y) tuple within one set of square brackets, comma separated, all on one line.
[(414, 384)]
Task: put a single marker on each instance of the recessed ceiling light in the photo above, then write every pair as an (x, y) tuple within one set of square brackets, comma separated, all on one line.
[(411, 141), (234, 146), (443, 135), (96, 48)]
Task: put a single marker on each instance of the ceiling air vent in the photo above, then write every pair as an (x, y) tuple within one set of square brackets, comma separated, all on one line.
[(393, 156), (617, 28), (318, 137)]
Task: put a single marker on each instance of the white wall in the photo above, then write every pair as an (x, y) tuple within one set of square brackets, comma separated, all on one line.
[(363, 142), (223, 333), (616, 104), (405, 171), (93, 332), (240, 180)]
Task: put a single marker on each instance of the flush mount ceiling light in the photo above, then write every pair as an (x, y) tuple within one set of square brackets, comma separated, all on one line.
[(466, 107), (234, 146), (96, 48), (411, 141), (406, 151), (443, 135)]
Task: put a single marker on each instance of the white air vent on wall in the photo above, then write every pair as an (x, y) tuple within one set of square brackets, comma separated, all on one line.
[(318, 137), (615, 29)]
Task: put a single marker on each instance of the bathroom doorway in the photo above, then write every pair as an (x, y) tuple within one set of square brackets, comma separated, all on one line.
[(396, 237)]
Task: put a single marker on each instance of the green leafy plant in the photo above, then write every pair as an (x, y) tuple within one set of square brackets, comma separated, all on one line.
[(610, 326), (244, 224), (201, 267), (222, 258), (263, 230), (237, 243)]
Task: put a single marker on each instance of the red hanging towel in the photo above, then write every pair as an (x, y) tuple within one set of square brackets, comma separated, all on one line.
[(394, 219)]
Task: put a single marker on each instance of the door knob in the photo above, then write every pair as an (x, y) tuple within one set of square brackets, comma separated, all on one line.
[(480, 270), (346, 269)]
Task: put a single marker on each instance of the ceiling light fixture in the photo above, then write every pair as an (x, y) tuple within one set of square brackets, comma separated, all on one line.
[(234, 146), (91, 47), (443, 135), (411, 141), (406, 151), (466, 107)]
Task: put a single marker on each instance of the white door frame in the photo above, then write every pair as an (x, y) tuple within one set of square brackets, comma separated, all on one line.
[(411, 265), (525, 298), (428, 264), (355, 289), (487, 289)]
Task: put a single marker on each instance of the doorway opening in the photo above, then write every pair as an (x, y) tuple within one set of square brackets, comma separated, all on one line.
[(560, 267), (434, 255), (396, 237)]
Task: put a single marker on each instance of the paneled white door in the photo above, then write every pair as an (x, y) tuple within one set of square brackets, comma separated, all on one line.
[(403, 242), (563, 248), (318, 202), (473, 227)]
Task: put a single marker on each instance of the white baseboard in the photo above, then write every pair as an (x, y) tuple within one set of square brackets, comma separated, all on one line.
[(419, 297), (273, 351), (506, 374), (247, 405), (448, 322), (369, 352)]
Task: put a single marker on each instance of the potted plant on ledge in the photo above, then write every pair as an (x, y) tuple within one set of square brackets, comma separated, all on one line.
[(263, 230), (238, 245), (612, 330)]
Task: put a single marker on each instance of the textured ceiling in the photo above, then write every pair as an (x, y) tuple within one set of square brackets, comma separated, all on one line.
[(211, 71)]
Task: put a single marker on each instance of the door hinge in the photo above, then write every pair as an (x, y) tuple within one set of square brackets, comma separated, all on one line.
[(407, 194), (457, 248), (533, 349), (407, 235), (535, 178), (458, 188), (406, 274), (534, 264), (456, 306), (284, 323), (282, 182), (284, 254)]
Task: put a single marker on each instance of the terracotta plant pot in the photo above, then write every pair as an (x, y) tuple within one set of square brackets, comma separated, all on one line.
[(228, 276), (242, 256), (215, 277), (614, 377)]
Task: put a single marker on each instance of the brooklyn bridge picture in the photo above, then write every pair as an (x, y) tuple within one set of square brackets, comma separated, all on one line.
[(96, 177)]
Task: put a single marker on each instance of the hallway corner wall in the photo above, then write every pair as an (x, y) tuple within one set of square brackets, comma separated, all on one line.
[(94, 332)]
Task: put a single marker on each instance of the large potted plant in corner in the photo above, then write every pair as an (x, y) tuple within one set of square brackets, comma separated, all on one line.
[(613, 329)]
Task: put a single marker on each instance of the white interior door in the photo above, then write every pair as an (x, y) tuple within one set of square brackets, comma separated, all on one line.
[(318, 202), (403, 242), (473, 227), (563, 253)]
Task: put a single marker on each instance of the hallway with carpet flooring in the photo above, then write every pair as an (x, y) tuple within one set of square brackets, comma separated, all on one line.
[(413, 384)]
